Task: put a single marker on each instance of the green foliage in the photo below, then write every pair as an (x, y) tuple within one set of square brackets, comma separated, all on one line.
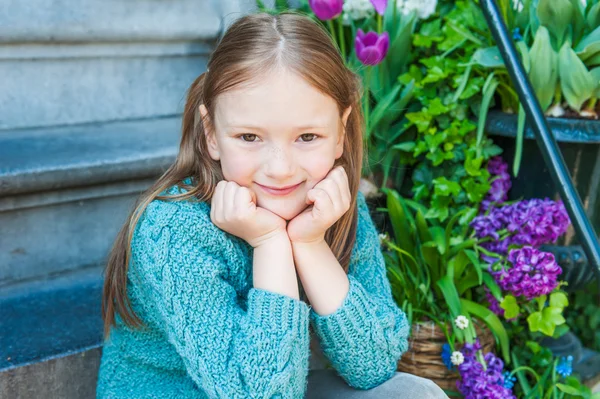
[(560, 48), (449, 157), (583, 316)]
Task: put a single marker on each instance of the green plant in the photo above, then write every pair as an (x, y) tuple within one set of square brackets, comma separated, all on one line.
[(559, 44)]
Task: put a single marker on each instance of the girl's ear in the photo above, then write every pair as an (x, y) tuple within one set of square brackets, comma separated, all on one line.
[(211, 137), (339, 148)]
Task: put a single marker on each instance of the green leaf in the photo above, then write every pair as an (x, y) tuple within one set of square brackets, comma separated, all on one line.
[(510, 306), (401, 223), (570, 390), (519, 141), (577, 84), (383, 106), (592, 18), (469, 281), (489, 88), (281, 5), (489, 57), (596, 76), (407, 146), (459, 264), (431, 254), (439, 237), (543, 74), (463, 83), (557, 16), (493, 323), (422, 227), (559, 300), (589, 46), (553, 315), (451, 296), (445, 187), (494, 288), (534, 320)]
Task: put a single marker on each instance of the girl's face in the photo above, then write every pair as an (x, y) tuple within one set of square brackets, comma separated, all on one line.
[(279, 133)]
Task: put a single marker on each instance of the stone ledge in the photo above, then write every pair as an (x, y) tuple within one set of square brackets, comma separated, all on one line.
[(37, 160), (67, 377), (102, 20), (49, 318)]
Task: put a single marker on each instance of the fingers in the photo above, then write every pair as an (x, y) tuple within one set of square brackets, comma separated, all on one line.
[(217, 202), (229, 199), (336, 186)]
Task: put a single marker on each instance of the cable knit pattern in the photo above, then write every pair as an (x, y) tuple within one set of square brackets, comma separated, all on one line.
[(210, 334), (366, 336)]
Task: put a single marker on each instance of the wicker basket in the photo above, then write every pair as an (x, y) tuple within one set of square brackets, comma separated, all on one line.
[(423, 357)]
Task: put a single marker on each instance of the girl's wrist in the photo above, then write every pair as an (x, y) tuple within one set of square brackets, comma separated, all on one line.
[(308, 244), (278, 237)]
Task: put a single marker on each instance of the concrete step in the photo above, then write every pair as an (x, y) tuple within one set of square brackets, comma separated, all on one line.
[(65, 192), (83, 61), (51, 336)]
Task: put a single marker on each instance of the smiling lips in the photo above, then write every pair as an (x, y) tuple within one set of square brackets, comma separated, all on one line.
[(279, 192)]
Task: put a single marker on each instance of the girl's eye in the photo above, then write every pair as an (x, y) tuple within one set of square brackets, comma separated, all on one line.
[(314, 136), (248, 137)]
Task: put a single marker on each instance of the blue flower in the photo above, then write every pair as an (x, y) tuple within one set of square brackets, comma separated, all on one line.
[(509, 380), (446, 354), (517, 35), (565, 366)]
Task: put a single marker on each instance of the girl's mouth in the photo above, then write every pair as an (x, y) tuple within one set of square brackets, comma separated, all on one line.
[(279, 191)]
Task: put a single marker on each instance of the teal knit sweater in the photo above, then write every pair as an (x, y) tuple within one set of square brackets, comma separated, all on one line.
[(210, 334)]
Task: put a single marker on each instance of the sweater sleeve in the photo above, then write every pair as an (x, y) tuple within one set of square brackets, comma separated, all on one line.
[(229, 352), (366, 336)]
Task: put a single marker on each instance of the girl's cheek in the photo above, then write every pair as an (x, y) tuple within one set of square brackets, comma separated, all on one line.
[(238, 167), (320, 166)]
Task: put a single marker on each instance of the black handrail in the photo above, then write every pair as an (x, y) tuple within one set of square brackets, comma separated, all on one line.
[(546, 141)]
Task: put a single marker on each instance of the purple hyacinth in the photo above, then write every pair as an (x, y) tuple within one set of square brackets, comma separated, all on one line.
[(370, 47), (500, 184), (533, 273), (530, 222), (326, 9), (477, 383), (494, 304)]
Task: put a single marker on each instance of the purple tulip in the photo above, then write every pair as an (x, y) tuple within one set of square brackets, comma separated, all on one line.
[(371, 48), (380, 6), (326, 9)]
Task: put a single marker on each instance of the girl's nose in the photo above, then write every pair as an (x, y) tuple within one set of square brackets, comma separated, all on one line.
[(279, 164)]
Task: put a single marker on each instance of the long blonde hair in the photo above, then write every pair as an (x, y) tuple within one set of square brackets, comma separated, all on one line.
[(253, 45)]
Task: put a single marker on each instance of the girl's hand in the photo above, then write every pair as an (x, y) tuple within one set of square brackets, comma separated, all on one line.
[(234, 210), (330, 199)]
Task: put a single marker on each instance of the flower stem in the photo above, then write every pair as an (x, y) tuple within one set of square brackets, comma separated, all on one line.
[(379, 24), (366, 99), (331, 28), (342, 38)]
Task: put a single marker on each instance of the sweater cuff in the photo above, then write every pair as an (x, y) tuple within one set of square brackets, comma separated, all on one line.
[(277, 313), (351, 320)]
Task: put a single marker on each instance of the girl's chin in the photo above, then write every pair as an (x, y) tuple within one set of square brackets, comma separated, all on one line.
[(284, 208)]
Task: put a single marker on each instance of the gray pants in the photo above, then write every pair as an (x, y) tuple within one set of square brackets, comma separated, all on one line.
[(326, 384)]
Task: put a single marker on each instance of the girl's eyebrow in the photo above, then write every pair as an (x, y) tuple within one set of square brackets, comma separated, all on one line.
[(299, 127)]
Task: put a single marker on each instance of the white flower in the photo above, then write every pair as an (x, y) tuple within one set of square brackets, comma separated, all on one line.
[(357, 9), (457, 358), (422, 8), (461, 322), (556, 111)]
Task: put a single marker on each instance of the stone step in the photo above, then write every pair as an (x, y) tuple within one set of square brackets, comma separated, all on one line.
[(50, 337), (84, 61), (65, 192)]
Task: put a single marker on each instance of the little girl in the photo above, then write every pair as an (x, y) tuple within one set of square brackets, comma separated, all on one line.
[(257, 239)]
